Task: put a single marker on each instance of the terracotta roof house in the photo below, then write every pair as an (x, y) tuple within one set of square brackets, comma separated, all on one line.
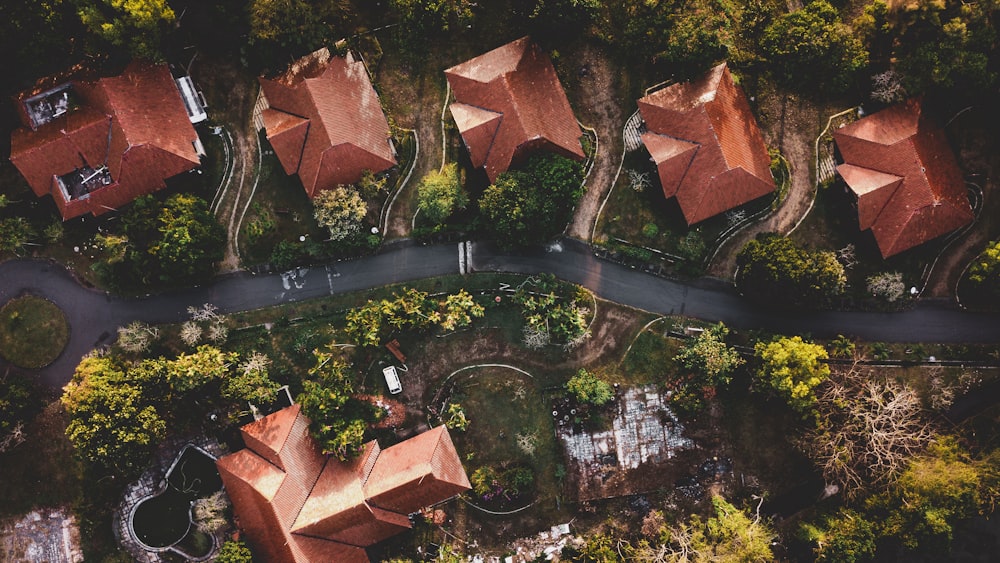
[(325, 123), (97, 145), (509, 103), (904, 177), (297, 505), (709, 153)]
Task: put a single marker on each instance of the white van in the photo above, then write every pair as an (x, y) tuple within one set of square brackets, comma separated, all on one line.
[(392, 379)]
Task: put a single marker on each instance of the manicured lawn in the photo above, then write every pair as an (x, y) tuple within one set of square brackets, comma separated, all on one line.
[(33, 332)]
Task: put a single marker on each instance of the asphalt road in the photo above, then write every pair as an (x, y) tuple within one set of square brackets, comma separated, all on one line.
[(94, 316)]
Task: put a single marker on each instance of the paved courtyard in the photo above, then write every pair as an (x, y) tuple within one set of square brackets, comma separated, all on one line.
[(644, 434), (41, 536)]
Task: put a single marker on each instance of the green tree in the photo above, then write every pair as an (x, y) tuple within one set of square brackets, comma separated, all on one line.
[(294, 27), (427, 18), (943, 43), (688, 36), (193, 371), (341, 210), (439, 194), (459, 310), (15, 234), (251, 382), (234, 551), (792, 368), (136, 25), (843, 537), (937, 490), (589, 389), (708, 354), (112, 422), (338, 419), (984, 272), (776, 272), (708, 364), (552, 312), (532, 205), (811, 47)]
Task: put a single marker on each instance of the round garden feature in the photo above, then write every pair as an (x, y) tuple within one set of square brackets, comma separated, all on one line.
[(33, 332)]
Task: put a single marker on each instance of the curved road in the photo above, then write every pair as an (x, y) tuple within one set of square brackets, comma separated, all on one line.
[(94, 316)]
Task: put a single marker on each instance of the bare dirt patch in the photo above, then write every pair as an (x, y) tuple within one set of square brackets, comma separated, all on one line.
[(598, 98)]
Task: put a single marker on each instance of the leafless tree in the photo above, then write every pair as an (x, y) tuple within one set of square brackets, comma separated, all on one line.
[(638, 180), (887, 285), (887, 87), (13, 438), (191, 333), (206, 312), (535, 339), (136, 336), (868, 429), (256, 363)]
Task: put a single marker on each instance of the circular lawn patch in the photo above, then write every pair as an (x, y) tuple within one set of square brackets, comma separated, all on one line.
[(33, 332)]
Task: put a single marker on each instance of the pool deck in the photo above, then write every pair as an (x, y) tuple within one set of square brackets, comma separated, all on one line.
[(152, 482)]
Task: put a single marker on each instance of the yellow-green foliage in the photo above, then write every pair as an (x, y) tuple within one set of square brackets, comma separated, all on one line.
[(792, 367)]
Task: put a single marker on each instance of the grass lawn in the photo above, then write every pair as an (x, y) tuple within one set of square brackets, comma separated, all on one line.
[(33, 332), (510, 425)]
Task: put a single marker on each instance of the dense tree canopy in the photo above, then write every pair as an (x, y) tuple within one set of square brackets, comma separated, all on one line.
[(411, 309), (686, 37), (774, 271), (792, 368), (440, 193), (295, 27), (112, 422), (939, 488), (532, 205), (339, 420), (812, 48), (136, 25)]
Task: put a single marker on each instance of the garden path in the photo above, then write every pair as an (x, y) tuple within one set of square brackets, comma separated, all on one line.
[(601, 109), (793, 129), (236, 95)]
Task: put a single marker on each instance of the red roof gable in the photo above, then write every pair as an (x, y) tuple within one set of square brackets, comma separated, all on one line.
[(508, 102), (709, 153), (134, 124), (906, 179), (417, 473), (325, 121), (298, 505)]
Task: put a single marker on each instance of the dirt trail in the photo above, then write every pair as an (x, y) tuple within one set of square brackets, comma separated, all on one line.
[(599, 107), (232, 106), (950, 266), (793, 126), (415, 99)]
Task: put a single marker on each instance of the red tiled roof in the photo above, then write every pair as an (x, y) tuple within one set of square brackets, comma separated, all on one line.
[(907, 182), (509, 102), (417, 473), (135, 124), (325, 122), (709, 153), (297, 505)]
